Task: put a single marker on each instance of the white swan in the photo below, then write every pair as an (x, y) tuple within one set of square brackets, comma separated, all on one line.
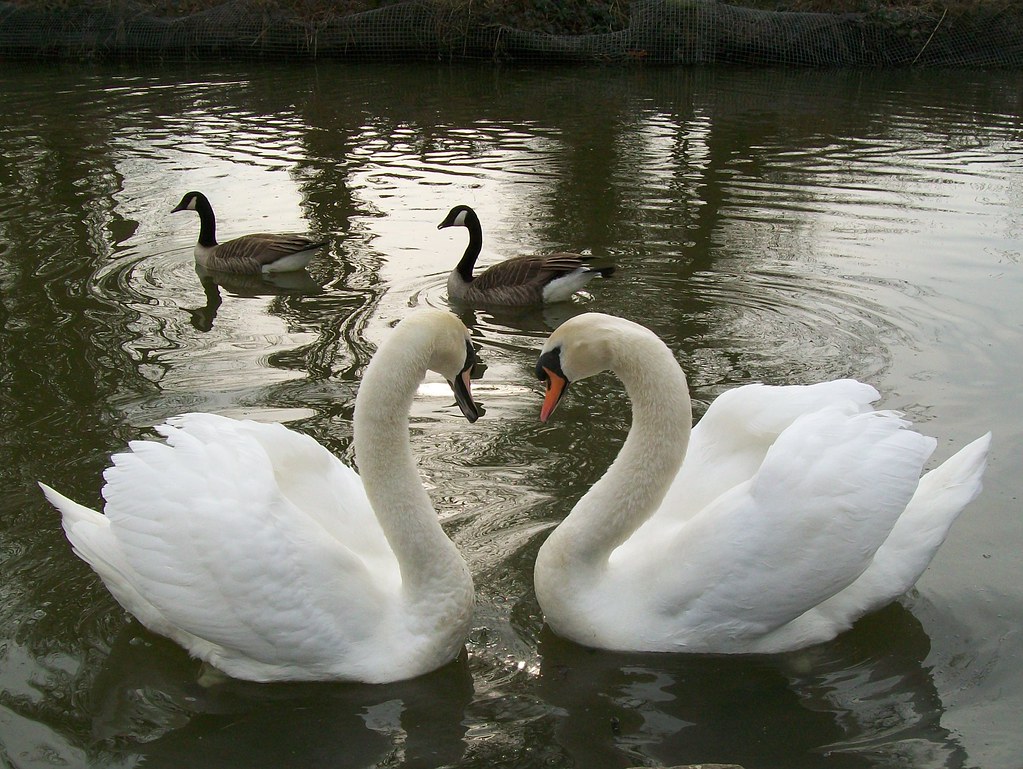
[(258, 551), (796, 511)]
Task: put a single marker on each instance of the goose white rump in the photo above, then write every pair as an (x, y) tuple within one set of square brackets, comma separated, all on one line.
[(785, 515), (261, 553)]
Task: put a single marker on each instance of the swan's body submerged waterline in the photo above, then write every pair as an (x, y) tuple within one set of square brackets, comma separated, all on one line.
[(262, 554), (785, 515)]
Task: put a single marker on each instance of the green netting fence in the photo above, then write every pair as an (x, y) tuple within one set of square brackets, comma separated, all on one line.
[(658, 32)]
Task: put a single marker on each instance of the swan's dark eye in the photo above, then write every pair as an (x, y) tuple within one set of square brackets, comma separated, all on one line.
[(473, 364), (541, 371), (549, 361)]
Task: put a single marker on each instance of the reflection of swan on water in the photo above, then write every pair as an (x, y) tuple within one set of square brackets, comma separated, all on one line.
[(294, 283), (256, 549), (786, 515), (146, 701), (867, 694)]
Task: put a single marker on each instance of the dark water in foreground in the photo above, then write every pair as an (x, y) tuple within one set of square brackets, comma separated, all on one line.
[(779, 227)]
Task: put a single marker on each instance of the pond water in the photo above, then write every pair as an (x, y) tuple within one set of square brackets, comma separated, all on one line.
[(771, 226)]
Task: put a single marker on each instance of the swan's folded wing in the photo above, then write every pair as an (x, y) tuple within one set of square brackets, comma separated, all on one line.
[(921, 529), (223, 554), (806, 526), (729, 443), (318, 484)]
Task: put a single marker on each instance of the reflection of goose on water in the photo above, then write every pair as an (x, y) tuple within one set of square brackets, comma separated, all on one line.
[(796, 509), (262, 554), (294, 283), (250, 254), (518, 281)]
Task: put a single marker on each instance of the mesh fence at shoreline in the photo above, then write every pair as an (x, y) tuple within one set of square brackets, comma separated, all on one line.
[(658, 32)]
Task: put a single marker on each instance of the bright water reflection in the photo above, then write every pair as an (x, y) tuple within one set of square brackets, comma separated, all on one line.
[(771, 226)]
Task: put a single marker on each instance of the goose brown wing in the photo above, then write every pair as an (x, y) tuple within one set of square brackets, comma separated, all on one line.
[(527, 271), (269, 248), (521, 280), (260, 249)]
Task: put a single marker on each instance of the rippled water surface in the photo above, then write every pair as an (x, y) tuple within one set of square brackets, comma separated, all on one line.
[(770, 226)]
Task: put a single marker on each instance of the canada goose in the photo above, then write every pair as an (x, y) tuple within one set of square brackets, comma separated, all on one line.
[(262, 554), (785, 515), (521, 280), (248, 254)]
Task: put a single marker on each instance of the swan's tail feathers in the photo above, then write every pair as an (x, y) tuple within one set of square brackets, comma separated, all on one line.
[(71, 512), (93, 541), (951, 486), (86, 530), (940, 496)]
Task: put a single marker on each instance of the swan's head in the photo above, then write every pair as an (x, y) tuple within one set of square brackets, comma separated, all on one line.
[(581, 347), (459, 216), (451, 355), (192, 201)]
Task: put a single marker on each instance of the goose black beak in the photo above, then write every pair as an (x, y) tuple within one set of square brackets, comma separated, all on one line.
[(463, 395)]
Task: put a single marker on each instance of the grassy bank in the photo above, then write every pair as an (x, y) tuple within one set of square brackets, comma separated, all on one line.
[(815, 33), (566, 17)]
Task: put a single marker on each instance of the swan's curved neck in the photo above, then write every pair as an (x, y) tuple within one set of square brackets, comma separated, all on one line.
[(207, 223), (384, 456), (472, 251), (635, 484)]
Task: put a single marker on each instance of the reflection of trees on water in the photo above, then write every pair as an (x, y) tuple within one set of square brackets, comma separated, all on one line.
[(59, 183), (61, 349), (720, 121)]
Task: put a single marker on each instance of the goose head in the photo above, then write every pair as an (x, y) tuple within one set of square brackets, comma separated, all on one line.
[(192, 201), (451, 355), (459, 216), (582, 347)]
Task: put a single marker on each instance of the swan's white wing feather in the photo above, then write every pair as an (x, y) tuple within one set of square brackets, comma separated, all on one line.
[(731, 440), (921, 529), (729, 443), (311, 477), (93, 541), (803, 528), (205, 532)]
